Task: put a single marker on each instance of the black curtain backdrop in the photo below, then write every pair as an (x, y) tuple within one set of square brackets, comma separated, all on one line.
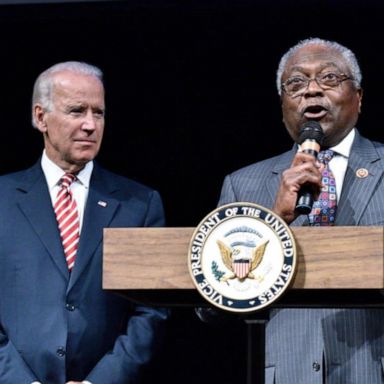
[(191, 96)]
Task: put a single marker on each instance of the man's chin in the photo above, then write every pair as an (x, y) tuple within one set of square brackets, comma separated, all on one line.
[(78, 163), (83, 157)]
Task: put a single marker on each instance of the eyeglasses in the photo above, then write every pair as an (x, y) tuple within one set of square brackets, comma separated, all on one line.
[(296, 85)]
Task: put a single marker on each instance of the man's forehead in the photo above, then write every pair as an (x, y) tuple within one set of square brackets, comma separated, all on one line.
[(315, 55), (70, 79), (70, 84)]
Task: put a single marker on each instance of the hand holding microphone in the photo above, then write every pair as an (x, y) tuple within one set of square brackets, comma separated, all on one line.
[(310, 140)]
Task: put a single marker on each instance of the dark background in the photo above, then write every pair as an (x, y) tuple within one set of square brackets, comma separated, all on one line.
[(191, 96)]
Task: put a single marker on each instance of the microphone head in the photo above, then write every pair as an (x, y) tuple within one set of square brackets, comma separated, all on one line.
[(311, 130)]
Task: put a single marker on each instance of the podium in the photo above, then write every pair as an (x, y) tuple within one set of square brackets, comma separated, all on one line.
[(336, 267), (149, 265)]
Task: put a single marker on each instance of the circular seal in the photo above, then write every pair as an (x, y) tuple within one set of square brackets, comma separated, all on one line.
[(242, 257)]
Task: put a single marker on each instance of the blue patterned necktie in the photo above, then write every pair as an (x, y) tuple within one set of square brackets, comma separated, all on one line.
[(324, 209)]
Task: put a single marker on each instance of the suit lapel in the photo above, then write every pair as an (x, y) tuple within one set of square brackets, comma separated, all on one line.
[(99, 211), (356, 190), (35, 203), (273, 182)]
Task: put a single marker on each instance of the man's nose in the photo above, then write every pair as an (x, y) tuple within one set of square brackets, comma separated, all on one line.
[(313, 87), (89, 123)]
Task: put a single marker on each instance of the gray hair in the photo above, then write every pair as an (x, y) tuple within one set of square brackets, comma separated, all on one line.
[(42, 89), (346, 53)]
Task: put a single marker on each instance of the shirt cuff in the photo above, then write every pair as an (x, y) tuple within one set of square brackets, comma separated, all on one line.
[(36, 382)]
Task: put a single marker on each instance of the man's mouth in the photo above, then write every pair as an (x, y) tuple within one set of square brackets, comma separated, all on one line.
[(86, 141), (315, 112)]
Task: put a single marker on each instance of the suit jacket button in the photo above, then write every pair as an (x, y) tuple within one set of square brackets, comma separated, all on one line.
[(316, 366), (60, 352), (70, 307)]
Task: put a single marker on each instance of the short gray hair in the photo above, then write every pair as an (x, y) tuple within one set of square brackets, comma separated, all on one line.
[(346, 53), (42, 89)]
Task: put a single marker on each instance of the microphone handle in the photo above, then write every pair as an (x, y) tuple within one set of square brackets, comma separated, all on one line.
[(305, 198), (304, 201)]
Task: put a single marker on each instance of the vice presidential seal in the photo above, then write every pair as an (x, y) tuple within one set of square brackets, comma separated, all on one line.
[(242, 257)]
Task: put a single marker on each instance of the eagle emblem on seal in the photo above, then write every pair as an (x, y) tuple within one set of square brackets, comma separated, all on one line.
[(241, 259)]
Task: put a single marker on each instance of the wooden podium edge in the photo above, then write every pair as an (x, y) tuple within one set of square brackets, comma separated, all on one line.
[(152, 263)]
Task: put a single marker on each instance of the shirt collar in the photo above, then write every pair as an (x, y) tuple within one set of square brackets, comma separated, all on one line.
[(53, 173), (345, 145)]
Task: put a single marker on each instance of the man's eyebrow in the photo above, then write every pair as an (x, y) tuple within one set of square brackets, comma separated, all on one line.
[(75, 105), (299, 68), (71, 107), (329, 64)]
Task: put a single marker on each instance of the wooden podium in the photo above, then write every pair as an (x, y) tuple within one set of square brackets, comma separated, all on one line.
[(149, 265), (337, 266)]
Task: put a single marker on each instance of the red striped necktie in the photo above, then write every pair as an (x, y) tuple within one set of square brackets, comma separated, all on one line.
[(68, 219)]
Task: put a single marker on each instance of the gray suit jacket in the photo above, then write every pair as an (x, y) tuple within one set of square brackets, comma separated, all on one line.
[(349, 342)]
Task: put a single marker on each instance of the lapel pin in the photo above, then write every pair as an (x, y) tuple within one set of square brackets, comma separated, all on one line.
[(102, 203), (362, 173)]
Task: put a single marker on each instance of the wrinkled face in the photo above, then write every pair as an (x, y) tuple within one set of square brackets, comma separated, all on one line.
[(336, 108), (73, 127)]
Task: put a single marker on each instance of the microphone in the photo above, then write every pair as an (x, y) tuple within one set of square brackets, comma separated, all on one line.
[(310, 139)]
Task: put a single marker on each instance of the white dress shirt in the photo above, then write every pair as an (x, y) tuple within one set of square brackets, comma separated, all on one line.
[(338, 164), (80, 187)]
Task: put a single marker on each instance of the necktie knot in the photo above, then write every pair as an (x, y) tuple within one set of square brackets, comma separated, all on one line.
[(325, 156), (67, 180)]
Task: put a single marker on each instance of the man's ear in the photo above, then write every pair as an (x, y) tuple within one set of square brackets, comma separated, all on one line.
[(360, 91), (39, 117)]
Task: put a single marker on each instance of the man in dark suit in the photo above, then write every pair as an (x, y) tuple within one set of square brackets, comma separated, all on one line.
[(320, 80), (57, 325)]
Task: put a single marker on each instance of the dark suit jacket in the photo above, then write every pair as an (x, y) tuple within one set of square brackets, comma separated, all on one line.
[(298, 341), (55, 326)]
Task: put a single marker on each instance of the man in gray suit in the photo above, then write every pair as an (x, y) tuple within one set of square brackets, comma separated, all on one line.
[(320, 80)]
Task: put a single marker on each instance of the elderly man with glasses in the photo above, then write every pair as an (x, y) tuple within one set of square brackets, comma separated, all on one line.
[(319, 82)]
